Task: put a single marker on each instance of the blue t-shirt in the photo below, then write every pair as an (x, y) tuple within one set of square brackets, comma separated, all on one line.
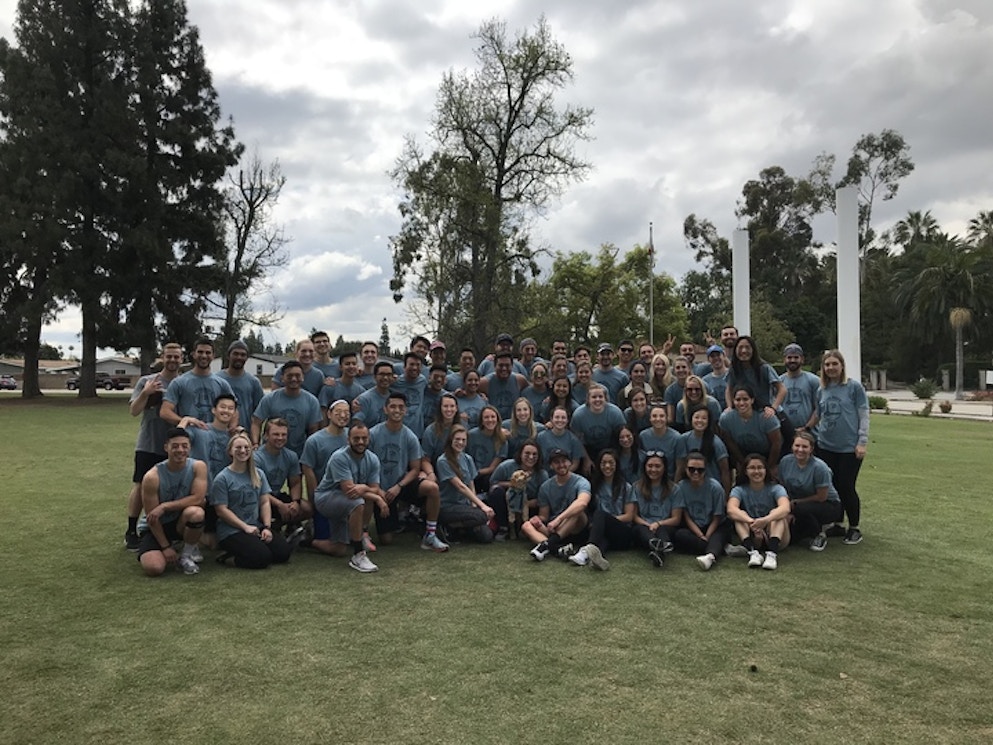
[(596, 431), (211, 446), (344, 466), (516, 439), (450, 496), (433, 443), (236, 492), (751, 435), (193, 395), (248, 390), (760, 502), (319, 448), (761, 383), (717, 387), (613, 380), (801, 397), (658, 507), (340, 391), (804, 482), (372, 407), (174, 485), (667, 444), (301, 412), (505, 470), (567, 441), (712, 406), (503, 394), (395, 450), (470, 409), (557, 497), (844, 411), (610, 504), (690, 441), (482, 448), (313, 380), (701, 503), (278, 468), (413, 390)]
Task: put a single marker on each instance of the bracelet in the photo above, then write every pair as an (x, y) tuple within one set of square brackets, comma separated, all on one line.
[(166, 547), (267, 527)]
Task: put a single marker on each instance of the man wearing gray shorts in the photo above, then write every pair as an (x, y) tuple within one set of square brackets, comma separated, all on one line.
[(348, 494)]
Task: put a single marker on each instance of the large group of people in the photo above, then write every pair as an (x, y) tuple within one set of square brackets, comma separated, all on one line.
[(581, 455)]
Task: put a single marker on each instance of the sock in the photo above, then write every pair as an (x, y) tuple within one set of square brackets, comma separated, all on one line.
[(749, 544), (357, 547), (774, 545), (553, 541), (132, 524), (432, 527)]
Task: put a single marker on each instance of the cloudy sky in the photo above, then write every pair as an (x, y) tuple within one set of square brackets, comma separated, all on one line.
[(691, 99)]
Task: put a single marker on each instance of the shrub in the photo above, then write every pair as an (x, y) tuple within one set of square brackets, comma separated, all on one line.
[(878, 402), (924, 388), (945, 406), (926, 411)]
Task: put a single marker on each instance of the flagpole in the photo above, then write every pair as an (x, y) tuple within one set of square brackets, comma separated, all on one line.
[(651, 287)]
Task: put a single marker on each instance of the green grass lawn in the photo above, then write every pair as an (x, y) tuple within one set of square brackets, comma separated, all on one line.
[(888, 641)]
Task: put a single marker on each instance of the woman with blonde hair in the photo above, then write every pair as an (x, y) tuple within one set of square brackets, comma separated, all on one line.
[(240, 495)]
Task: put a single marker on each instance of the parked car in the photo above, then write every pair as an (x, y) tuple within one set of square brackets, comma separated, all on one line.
[(8, 383), (104, 380)]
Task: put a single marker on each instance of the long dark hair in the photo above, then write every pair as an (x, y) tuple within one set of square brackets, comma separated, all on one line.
[(645, 484), (597, 478), (615, 440), (756, 363), (707, 438)]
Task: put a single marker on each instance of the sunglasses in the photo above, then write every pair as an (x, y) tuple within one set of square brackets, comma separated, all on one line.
[(695, 469)]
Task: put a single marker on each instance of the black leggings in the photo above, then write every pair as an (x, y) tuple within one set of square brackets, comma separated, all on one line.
[(809, 517), (686, 540), (251, 552), (606, 531), (845, 472)]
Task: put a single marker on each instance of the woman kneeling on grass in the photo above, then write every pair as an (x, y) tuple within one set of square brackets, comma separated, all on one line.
[(759, 510), (461, 507), (240, 495)]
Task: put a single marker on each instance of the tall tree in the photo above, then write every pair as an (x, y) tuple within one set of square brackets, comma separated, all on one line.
[(876, 166), (182, 152), (256, 245), (502, 150)]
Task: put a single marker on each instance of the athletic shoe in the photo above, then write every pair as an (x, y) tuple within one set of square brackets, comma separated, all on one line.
[(770, 561), (432, 542), (361, 563), (367, 544), (819, 542), (197, 555), (736, 552), (656, 558), (565, 551), (502, 536), (754, 559), (295, 536), (596, 557), (188, 566), (540, 552), (853, 536), (835, 531), (706, 561), (581, 558), (131, 540)]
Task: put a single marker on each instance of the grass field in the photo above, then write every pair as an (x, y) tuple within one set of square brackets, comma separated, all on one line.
[(888, 641)]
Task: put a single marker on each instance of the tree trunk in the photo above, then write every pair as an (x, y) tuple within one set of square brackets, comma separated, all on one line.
[(30, 385), (959, 363)]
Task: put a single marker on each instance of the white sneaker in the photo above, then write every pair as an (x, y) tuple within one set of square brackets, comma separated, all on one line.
[(188, 566), (196, 555), (706, 561), (735, 551), (540, 552), (581, 558), (596, 557), (431, 542), (754, 558), (770, 561), (361, 563)]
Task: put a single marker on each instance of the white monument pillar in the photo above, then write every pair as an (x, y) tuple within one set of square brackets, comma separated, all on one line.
[(740, 280), (849, 291)]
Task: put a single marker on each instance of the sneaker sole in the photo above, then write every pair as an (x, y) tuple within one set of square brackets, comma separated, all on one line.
[(656, 559), (363, 570), (852, 543), (436, 550), (818, 548)]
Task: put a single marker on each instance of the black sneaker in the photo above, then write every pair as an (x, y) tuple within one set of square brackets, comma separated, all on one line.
[(131, 541), (853, 536), (656, 558)]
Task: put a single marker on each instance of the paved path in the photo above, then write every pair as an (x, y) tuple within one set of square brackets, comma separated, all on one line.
[(904, 402)]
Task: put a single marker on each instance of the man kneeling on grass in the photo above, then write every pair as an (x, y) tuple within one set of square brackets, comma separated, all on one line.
[(173, 495), (348, 494), (562, 503)]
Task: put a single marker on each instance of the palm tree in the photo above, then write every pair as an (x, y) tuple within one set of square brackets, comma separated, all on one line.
[(981, 228), (916, 227), (951, 288)]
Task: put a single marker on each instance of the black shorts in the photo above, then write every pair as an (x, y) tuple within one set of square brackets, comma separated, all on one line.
[(408, 494), (150, 543), (143, 463)]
